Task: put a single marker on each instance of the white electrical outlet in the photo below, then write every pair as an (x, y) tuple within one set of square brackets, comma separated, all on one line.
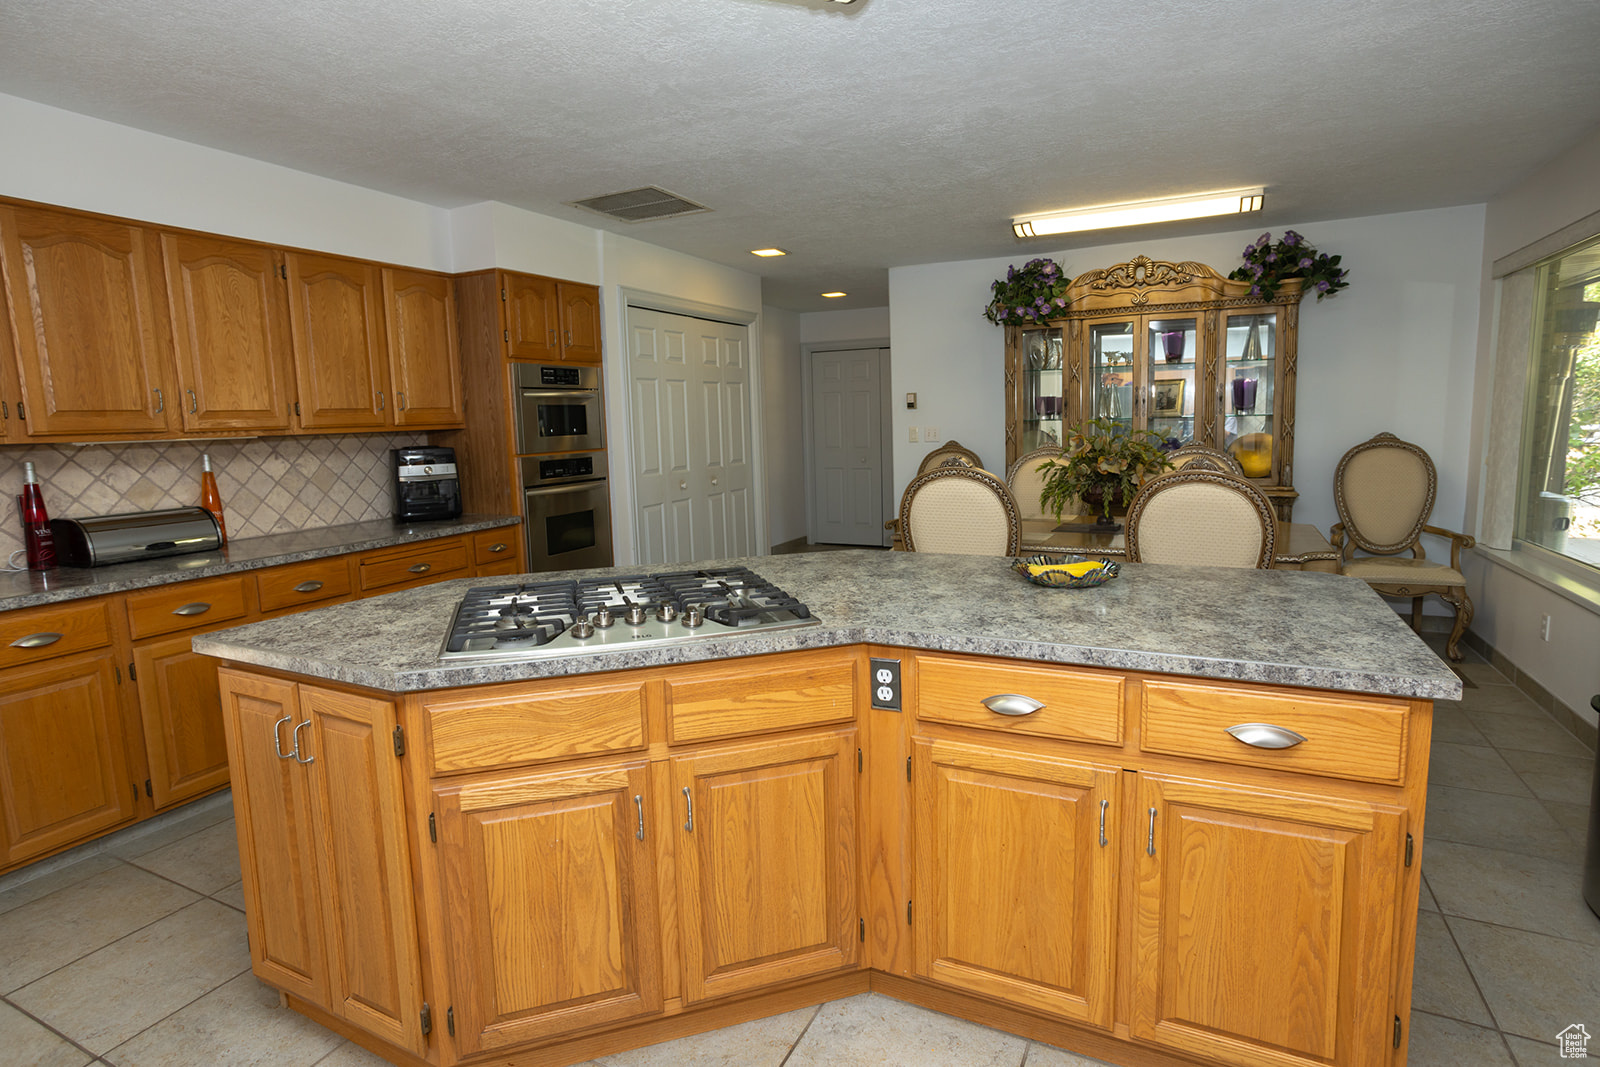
[(930, 433), (913, 435), (1544, 627)]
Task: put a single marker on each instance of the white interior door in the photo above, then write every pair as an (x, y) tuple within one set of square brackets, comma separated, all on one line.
[(692, 475), (846, 462)]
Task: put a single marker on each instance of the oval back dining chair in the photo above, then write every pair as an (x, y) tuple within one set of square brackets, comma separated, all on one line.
[(1206, 458), (1201, 517), (1026, 480), (1383, 490), (951, 452), (960, 510)]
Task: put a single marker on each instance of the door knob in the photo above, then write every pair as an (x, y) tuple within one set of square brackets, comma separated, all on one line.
[(683, 485)]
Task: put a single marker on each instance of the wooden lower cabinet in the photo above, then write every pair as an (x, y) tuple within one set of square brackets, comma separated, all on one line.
[(323, 851), (63, 765), (1016, 867), (185, 744), (1265, 924), (549, 901), (766, 862)]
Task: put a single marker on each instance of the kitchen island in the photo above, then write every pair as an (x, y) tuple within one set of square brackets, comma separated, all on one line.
[(1172, 819)]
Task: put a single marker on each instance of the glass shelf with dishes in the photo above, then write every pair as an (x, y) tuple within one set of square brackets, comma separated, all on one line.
[(1042, 400), (1250, 346)]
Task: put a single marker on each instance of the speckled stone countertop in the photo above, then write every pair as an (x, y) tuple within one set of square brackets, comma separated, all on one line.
[(26, 589), (1286, 627)]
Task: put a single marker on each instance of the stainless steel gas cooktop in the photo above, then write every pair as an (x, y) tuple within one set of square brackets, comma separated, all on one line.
[(577, 617)]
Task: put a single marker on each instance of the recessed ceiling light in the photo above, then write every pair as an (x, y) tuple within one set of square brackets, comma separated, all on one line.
[(768, 252), (835, 294), (1139, 212)]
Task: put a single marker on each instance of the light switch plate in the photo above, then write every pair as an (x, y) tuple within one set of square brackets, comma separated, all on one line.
[(913, 437)]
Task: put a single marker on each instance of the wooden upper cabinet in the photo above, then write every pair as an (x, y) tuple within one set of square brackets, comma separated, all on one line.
[(424, 355), (11, 425), (88, 323), (580, 322), (533, 318), (336, 322), (230, 329)]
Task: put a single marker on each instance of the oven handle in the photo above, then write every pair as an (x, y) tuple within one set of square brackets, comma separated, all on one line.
[(559, 394), (564, 487)]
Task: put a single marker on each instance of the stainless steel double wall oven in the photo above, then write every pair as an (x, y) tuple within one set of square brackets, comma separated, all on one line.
[(561, 438)]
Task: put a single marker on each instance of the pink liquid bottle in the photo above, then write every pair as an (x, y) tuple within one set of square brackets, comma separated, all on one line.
[(37, 536)]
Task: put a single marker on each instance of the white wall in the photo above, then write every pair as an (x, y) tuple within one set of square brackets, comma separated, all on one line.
[(1395, 351), (785, 436), (1509, 602), (829, 327)]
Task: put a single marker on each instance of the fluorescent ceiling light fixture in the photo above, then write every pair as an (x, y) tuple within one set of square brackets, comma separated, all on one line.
[(835, 294), (1139, 212), (768, 252)]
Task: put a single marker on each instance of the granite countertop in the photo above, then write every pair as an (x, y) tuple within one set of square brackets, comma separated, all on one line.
[(26, 589), (1296, 628)]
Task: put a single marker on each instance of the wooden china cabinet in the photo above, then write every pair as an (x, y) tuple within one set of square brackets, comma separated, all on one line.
[(1175, 348)]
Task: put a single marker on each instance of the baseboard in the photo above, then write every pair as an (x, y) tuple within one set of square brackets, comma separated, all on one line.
[(1577, 724)]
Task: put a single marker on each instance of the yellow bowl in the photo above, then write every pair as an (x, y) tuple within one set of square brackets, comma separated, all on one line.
[(1254, 453)]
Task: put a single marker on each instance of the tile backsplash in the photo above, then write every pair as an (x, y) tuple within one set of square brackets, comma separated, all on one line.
[(268, 484)]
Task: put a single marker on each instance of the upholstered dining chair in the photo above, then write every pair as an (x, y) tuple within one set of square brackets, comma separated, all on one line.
[(1205, 457), (960, 510), (1201, 517), (1026, 480), (1383, 490), (951, 452)]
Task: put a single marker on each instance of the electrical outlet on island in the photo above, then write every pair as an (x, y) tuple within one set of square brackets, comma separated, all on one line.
[(930, 433)]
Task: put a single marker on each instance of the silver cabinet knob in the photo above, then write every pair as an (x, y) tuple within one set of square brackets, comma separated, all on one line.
[(1265, 735), (308, 587), (199, 607), (420, 568), (38, 640), (1011, 704)]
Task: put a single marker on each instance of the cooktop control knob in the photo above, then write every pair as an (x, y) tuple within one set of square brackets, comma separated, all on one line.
[(666, 613), (604, 619), (635, 615), (693, 616), (581, 627)]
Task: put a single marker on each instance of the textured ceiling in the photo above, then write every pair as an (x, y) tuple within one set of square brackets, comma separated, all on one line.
[(861, 137)]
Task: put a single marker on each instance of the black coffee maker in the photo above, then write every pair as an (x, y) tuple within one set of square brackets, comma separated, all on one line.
[(426, 485)]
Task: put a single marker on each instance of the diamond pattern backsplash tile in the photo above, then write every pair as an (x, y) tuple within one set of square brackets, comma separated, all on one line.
[(268, 485)]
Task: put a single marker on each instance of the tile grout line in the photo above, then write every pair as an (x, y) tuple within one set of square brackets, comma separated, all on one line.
[(802, 1035), (1476, 987), (25, 1012)]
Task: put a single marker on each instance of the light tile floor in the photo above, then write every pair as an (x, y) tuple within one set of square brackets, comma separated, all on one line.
[(131, 951)]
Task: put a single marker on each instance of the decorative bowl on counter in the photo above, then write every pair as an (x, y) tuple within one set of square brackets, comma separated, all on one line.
[(1065, 571)]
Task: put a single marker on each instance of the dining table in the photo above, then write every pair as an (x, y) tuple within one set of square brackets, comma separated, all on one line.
[(1298, 546)]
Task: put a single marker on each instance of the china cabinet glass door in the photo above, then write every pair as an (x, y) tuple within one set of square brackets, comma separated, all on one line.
[(1112, 371), (1042, 398), (1249, 391), (1174, 361)]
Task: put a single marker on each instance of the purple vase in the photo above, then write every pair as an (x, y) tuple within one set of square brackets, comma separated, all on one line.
[(1172, 342), (1244, 394)]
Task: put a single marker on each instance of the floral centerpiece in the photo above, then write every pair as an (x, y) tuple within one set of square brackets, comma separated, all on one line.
[(1030, 293), (1104, 466), (1267, 266)]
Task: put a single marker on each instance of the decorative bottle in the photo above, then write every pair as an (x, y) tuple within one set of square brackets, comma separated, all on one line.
[(210, 498), (37, 536)]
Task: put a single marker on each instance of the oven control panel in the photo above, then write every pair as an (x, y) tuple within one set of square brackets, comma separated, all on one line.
[(574, 467)]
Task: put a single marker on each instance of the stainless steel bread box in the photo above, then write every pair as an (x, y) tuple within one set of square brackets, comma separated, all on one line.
[(135, 535)]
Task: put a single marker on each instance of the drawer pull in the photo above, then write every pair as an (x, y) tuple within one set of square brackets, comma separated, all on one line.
[(1011, 704), (1265, 735), (638, 802), (308, 587), (199, 607), (1150, 842), (420, 568), (688, 803), (297, 729), (277, 737), (38, 640), (1104, 804), (499, 546)]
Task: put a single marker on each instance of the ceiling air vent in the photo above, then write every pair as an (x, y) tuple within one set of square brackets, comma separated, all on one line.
[(640, 205)]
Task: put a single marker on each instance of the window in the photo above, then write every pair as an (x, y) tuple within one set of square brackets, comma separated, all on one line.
[(1558, 488)]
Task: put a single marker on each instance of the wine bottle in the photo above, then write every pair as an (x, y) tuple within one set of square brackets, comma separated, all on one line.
[(210, 498), (37, 537)]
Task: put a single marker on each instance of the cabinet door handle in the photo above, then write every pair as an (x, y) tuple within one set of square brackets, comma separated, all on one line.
[(1104, 804), (38, 640), (420, 568), (194, 403), (1150, 843), (1265, 735), (161, 401), (1011, 704), (313, 759), (569, 338), (688, 803), (308, 587), (277, 737), (199, 607), (400, 398), (498, 546), (5, 410), (638, 802), (380, 399)]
